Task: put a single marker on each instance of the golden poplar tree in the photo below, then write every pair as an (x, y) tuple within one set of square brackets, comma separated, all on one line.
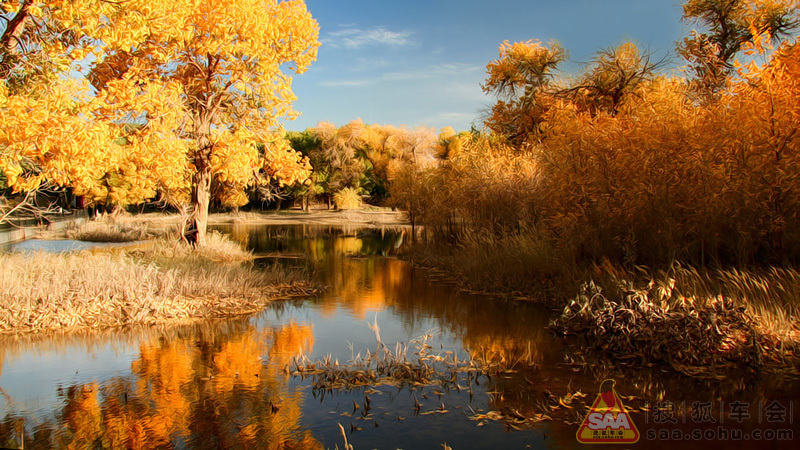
[(727, 26), (204, 82), (520, 78)]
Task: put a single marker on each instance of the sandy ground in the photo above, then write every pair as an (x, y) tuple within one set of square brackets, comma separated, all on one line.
[(150, 225), (366, 217)]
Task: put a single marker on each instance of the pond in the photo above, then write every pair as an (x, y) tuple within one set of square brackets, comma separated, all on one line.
[(469, 371)]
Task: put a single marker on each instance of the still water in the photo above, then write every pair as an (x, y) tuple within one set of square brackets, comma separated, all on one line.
[(233, 383)]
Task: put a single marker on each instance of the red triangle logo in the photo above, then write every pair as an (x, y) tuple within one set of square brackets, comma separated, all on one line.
[(607, 422)]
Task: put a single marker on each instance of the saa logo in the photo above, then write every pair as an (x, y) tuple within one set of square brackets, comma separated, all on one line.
[(607, 421)]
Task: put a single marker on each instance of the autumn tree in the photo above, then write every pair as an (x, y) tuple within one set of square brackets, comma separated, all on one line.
[(308, 144), (520, 78), (31, 45), (359, 159), (227, 57), (412, 180), (50, 135), (32, 55), (729, 25), (614, 74), (340, 153), (206, 81)]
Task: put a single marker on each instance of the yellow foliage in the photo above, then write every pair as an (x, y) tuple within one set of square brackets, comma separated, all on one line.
[(657, 177), (214, 373), (180, 86), (288, 341), (519, 77), (347, 198)]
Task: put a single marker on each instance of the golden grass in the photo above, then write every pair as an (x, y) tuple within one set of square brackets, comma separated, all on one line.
[(701, 323), (160, 283), (347, 198), (103, 231)]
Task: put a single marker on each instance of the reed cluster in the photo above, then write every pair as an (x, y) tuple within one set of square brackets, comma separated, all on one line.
[(164, 281), (699, 322), (107, 231), (642, 328), (660, 180)]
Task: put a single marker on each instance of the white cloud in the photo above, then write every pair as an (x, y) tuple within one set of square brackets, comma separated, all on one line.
[(432, 71), (356, 38), (458, 120), (346, 83)]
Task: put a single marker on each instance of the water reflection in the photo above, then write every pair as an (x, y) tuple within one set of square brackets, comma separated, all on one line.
[(222, 384), (60, 245), (210, 385)]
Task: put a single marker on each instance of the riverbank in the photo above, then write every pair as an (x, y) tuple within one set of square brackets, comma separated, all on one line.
[(159, 223), (704, 323), (10, 234), (162, 281), (158, 279)]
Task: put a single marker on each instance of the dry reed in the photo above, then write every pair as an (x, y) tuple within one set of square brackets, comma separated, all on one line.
[(700, 323), (163, 282), (102, 231)]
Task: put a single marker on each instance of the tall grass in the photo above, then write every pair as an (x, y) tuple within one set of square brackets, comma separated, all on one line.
[(162, 282), (663, 179), (705, 195), (697, 321)]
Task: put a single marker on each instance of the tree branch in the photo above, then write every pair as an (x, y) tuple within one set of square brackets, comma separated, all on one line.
[(12, 26)]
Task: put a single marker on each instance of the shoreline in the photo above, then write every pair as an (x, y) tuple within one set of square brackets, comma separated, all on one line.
[(696, 322), (367, 217), (161, 283), (146, 267), (755, 332)]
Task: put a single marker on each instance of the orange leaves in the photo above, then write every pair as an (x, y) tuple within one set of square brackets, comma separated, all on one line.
[(522, 63), (289, 341), (229, 374), (284, 164), (733, 25), (669, 178), (658, 177), (519, 79), (58, 137), (163, 73)]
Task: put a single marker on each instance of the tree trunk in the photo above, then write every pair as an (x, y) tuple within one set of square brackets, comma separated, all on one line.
[(195, 229)]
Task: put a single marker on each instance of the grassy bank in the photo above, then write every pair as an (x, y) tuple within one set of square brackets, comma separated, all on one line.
[(597, 209), (158, 282), (700, 322)]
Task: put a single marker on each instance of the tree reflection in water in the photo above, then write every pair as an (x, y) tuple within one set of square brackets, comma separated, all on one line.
[(229, 384), (202, 386)]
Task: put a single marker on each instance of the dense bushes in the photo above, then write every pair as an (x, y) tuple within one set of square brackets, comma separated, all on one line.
[(357, 159), (662, 178)]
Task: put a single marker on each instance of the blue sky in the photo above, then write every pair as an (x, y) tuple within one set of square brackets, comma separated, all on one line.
[(422, 62)]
